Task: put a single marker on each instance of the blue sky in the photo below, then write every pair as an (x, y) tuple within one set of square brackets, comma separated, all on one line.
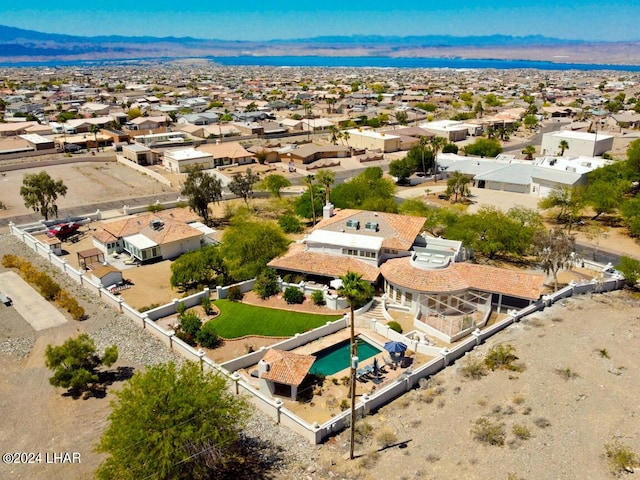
[(277, 19)]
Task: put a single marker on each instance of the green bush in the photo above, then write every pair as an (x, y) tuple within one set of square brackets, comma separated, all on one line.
[(293, 295), (501, 357), (395, 326), (235, 294), (266, 284), (11, 261), (206, 305), (473, 368), (208, 337), (189, 327), (450, 148), (290, 223), (47, 286), (318, 297), (156, 207)]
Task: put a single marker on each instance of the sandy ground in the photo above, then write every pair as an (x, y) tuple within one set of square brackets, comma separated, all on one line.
[(86, 183), (570, 417)]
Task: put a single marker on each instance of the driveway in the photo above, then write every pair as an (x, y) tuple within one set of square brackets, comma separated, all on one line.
[(29, 304)]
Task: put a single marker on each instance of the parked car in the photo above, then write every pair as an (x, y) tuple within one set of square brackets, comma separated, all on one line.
[(5, 299), (63, 230), (72, 148)]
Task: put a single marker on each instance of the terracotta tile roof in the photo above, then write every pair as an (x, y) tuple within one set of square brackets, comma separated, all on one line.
[(287, 367), (225, 150), (462, 276), (175, 227), (298, 259), (399, 231)]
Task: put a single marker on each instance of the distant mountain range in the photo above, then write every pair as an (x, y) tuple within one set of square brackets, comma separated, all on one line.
[(18, 46)]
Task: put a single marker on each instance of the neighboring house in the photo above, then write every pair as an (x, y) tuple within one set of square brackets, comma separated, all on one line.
[(204, 118), (452, 130), (181, 161), (107, 275), (310, 152), (271, 154), (38, 142), (150, 236), (281, 372), (91, 109), (384, 142), (227, 153), (147, 123), (139, 154), (580, 143), (426, 276)]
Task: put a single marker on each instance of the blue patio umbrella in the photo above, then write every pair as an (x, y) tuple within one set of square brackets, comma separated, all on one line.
[(395, 347)]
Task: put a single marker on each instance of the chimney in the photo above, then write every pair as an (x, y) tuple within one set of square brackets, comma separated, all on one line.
[(327, 211)]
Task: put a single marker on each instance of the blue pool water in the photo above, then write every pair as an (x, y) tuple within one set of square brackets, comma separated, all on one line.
[(336, 358)]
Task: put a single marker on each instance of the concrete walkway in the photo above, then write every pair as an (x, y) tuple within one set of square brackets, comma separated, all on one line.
[(29, 304)]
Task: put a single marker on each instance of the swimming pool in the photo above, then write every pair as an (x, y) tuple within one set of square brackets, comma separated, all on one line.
[(335, 358)]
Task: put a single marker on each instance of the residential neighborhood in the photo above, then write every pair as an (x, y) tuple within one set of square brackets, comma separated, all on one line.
[(331, 243)]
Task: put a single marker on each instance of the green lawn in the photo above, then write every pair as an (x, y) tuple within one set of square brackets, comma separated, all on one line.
[(237, 319)]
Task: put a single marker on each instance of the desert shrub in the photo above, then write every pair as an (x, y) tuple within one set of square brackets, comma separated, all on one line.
[(29, 272), (474, 368), (293, 295), (70, 304), (47, 286), (364, 430), (541, 422), (266, 284), (395, 326), (488, 432), (521, 431), (151, 306), (386, 437), (603, 353), (369, 460), (621, 458), (77, 312), (11, 261), (518, 399), (208, 337), (181, 308), (235, 294), (566, 373), (501, 357), (318, 297), (344, 404), (290, 223), (155, 207)]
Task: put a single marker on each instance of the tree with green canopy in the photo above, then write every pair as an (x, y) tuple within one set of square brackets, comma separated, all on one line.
[(248, 245), (202, 267), (173, 423), (201, 189), (484, 147), (242, 185), (458, 186), (40, 192), (273, 183), (75, 363), (369, 190), (563, 145)]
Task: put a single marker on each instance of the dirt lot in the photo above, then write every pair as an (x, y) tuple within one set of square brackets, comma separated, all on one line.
[(87, 183), (577, 392)]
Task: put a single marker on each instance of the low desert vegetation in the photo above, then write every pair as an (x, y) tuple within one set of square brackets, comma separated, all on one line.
[(622, 459), (488, 432), (474, 368), (521, 432), (566, 373), (386, 437), (501, 357)]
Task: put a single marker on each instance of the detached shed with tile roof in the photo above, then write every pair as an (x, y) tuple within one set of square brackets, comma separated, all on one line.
[(281, 372)]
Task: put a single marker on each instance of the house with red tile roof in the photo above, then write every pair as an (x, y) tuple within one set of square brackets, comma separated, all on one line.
[(426, 276), (150, 236)]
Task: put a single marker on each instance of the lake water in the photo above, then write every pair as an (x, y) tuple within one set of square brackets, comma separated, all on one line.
[(372, 62)]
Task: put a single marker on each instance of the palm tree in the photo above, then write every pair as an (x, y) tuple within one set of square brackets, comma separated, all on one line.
[(436, 143), (423, 144), (345, 137), (333, 130), (326, 178), (564, 145), (309, 182), (357, 292), (95, 129), (529, 150)]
